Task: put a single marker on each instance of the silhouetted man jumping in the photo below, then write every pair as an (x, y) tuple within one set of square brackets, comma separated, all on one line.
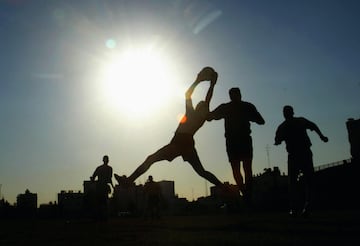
[(237, 115), (300, 161), (182, 144)]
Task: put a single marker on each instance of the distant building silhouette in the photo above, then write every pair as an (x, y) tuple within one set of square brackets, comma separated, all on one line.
[(70, 203), (270, 190), (131, 200), (48, 211), (89, 197), (6, 210), (167, 189), (89, 187), (27, 204), (336, 187), (127, 201), (27, 200), (171, 203), (353, 127), (216, 192)]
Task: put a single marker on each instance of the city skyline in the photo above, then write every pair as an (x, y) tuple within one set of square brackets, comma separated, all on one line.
[(207, 187), (84, 79)]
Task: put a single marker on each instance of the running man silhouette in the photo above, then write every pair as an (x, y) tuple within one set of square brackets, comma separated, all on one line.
[(237, 115), (103, 174), (182, 144), (300, 158)]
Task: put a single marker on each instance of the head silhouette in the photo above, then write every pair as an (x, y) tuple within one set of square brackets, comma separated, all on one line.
[(235, 94), (150, 178), (288, 112), (106, 159)]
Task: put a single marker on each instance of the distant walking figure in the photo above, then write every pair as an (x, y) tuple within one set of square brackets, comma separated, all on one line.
[(182, 144), (237, 115), (153, 198), (300, 160), (103, 174)]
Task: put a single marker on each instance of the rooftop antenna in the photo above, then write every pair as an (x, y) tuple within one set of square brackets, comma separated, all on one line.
[(206, 189)]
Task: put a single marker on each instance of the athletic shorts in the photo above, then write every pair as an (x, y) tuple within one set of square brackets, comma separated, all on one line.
[(300, 162), (239, 148), (183, 145)]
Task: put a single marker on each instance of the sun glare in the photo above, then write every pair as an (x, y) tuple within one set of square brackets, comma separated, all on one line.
[(137, 82)]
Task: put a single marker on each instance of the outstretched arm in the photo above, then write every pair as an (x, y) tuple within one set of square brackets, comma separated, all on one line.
[(92, 178), (190, 91), (211, 89), (278, 136), (322, 137), (259, 119), (313, 127), (255, 116)]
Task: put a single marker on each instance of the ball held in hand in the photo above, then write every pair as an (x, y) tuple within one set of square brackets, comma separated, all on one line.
[(207, 73)]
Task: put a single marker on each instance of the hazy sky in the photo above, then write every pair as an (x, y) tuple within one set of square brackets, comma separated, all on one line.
[(69, 91)]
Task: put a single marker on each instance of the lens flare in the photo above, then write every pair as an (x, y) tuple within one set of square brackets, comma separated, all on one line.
[(181, 118), (110, 43)]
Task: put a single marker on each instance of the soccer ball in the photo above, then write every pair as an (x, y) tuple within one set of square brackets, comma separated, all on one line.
[(206, 73)]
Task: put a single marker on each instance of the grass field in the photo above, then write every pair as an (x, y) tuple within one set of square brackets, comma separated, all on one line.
[(325, 227)]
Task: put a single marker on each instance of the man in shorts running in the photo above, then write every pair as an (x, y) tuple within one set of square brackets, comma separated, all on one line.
[(237, 115), (182, 144), (293, 131)]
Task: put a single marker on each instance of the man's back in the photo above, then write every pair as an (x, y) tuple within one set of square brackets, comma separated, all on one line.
[(237, 116), (293, 132), (104, 173)]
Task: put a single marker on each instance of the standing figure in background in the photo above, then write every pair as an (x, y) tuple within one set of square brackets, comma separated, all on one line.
[(103, 174), (300, 157), (153, 197), (237, 115)]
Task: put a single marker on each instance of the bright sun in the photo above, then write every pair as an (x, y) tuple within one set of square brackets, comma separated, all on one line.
[(137, 82)]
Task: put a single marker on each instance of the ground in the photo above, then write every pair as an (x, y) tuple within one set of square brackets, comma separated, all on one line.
[(322, 227)]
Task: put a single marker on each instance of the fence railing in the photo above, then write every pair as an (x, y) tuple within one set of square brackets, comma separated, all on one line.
[(332, 164)]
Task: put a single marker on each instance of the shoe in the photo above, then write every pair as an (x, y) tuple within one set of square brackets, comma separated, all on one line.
[(223, 206), (305, 212), (122, 180), (292, 213)]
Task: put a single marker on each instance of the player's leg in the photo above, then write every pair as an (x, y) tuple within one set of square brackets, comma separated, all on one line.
[(235, 166), (293, 173), (246, 154), (308, 172), (167, 152), (247, 164), (199, 169), (234, 152)]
